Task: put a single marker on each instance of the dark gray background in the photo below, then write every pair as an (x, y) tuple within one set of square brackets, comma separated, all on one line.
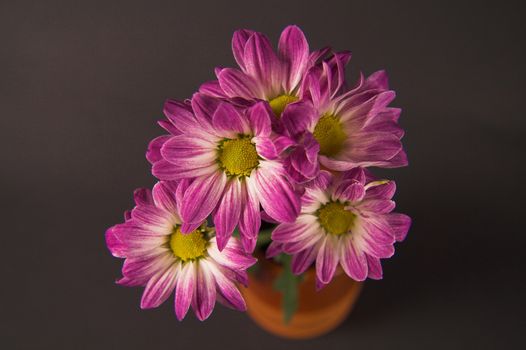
[(82, 85)]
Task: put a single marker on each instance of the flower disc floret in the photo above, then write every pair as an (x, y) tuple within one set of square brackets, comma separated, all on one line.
[(190, 246), (335, 219), (238, 157)]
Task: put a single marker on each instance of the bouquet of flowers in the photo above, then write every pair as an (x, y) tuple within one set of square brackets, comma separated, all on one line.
[(281, 139)]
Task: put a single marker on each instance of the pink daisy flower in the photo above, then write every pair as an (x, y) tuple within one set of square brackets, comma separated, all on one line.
[(163, 259), (346, 128), (229, 166), (345, 220), (265, 74)]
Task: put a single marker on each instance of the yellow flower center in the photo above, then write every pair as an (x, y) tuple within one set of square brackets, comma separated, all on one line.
[(335, 219), (279, 103), (238, 157), (189, 246), (330, 135)]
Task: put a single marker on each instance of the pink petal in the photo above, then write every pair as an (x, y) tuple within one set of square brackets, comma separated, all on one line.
[(165, 170), (304, 259), (294, 48), (204, 298), (159, 288), (204, 107), (164, 196), (380, 191), (260, 116), (377, 206), (202, 196), (152, 218), (138, 270), (153, 154), (277, 195), (143, 196), (273, 249), (327, 259), (265, 148), (180, 114), (212, 88), (227, 215), (400, 223), (349, 190), (374, 268), (262, 63), (232, 256), (226, 287), (237, 84), (239, 41), (185, 288), (228, 121), (299, 117), (353, 260), (250, 220)]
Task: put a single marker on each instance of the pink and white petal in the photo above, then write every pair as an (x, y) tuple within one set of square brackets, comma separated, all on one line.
[(190, 151), (349, 190), (115, 244), (301, 163), (370, 147), (371, 244), (164, 170), (382, 189), (153, 154), (138, 270), (294, 48), (202, 196), (169, 127), (232, 256), (228, 212), (164, 193), (228, 122), (260, 116), (261, 62), (179, 193), (379, 231), (274, 249), (304, 259), (238, 84), (276, 194), (353, 260), (399, 160), (312, 236), (225, 286), (299, 117), (378, 80), (212, 88), (185, 288), (239, 40), (374, 268), (204, 298), (282, 143), (159, 288), (265, 147), (250, 220), (204, 107), (143, 196), (152, 218), (295, 231), (376, 206), (327, 258), (400, 224), (180, 114)]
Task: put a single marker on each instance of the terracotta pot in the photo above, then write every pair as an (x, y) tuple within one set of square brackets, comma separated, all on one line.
[(318, 312)]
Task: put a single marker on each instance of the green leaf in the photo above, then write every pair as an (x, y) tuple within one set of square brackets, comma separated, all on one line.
[(287, 283)]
